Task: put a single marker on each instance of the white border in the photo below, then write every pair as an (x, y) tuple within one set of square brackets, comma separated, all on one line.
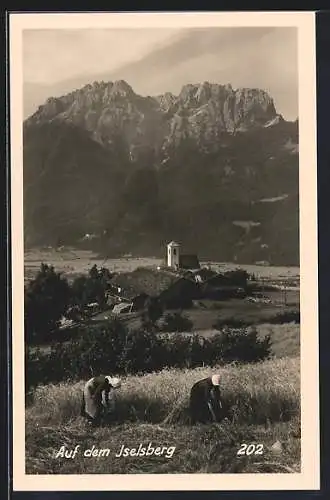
[(309, 478)]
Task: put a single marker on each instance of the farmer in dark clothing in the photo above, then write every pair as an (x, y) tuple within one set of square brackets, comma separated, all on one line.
[(205, 402), (98, 397)]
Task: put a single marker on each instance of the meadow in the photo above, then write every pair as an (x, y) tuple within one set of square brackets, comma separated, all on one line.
[(263, 398), (285, 338), (264, 402)]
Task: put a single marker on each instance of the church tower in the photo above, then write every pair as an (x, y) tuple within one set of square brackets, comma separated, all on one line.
[(173, 254)]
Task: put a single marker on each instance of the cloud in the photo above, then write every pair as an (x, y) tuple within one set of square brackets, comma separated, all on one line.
[(52, 55)]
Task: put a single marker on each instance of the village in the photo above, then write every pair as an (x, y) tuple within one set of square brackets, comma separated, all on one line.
[(182, 283)]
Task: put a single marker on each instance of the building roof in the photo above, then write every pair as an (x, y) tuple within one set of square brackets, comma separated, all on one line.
[(144, 281), (118, 308), (200, 275), (189, 261)]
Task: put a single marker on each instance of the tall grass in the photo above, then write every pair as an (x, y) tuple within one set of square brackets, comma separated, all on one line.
[(255, 393), (153, 408)]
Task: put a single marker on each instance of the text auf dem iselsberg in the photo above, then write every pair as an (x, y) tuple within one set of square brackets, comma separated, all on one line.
[(139, 451)]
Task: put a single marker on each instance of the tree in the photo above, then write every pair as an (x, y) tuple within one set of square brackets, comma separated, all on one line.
[(46, 300), (90, 288)]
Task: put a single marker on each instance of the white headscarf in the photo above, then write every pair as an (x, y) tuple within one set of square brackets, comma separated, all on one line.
[(114, 381), (216, 379)]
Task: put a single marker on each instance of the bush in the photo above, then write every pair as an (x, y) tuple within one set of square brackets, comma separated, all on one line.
[(113, 348), (98, 350), (176, 322), (176, 350), (143, 352), (240, 345)]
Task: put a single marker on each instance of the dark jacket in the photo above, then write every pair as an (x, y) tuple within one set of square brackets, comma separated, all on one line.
[(205, 402)]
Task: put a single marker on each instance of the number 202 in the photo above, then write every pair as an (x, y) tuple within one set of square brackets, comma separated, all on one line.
[(256, 449)]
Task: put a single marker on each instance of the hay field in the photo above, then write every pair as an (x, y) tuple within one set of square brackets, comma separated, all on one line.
[(264, 401)]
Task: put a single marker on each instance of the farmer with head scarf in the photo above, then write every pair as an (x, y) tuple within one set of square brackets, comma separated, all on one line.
[(205, 400), (98, 397)]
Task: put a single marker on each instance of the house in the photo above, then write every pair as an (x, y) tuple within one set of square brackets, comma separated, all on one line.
[(188, 261), (171, 289), (121, 295), (139, 301), (200, 275)]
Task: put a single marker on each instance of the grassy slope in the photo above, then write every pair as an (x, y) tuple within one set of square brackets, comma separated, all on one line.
[(265, 407), (240, 310), (285, 338)]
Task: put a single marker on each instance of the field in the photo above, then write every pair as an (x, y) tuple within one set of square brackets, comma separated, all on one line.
[(264, 399), (73, 262)]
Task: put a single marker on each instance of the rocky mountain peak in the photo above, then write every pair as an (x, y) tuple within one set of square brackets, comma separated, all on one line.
[(122, 88), (201, 111)]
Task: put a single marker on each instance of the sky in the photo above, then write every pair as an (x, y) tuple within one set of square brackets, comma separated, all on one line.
[(51, 55), (154, 61)]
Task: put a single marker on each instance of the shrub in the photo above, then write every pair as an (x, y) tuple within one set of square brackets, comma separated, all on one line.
[(114, 349), (240, 345), (176, 350), (98, 350), (176, 322), (143, 351)]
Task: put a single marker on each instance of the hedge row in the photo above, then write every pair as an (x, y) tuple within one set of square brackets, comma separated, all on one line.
[(114, 349)]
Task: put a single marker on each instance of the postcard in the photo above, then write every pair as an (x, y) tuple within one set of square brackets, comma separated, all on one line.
[(164, 251)]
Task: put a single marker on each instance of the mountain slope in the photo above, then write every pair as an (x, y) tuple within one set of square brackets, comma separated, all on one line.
[(137, 171)]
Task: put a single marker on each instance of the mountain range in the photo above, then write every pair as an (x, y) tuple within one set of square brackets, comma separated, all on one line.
[(214, 167), (264, 57)]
